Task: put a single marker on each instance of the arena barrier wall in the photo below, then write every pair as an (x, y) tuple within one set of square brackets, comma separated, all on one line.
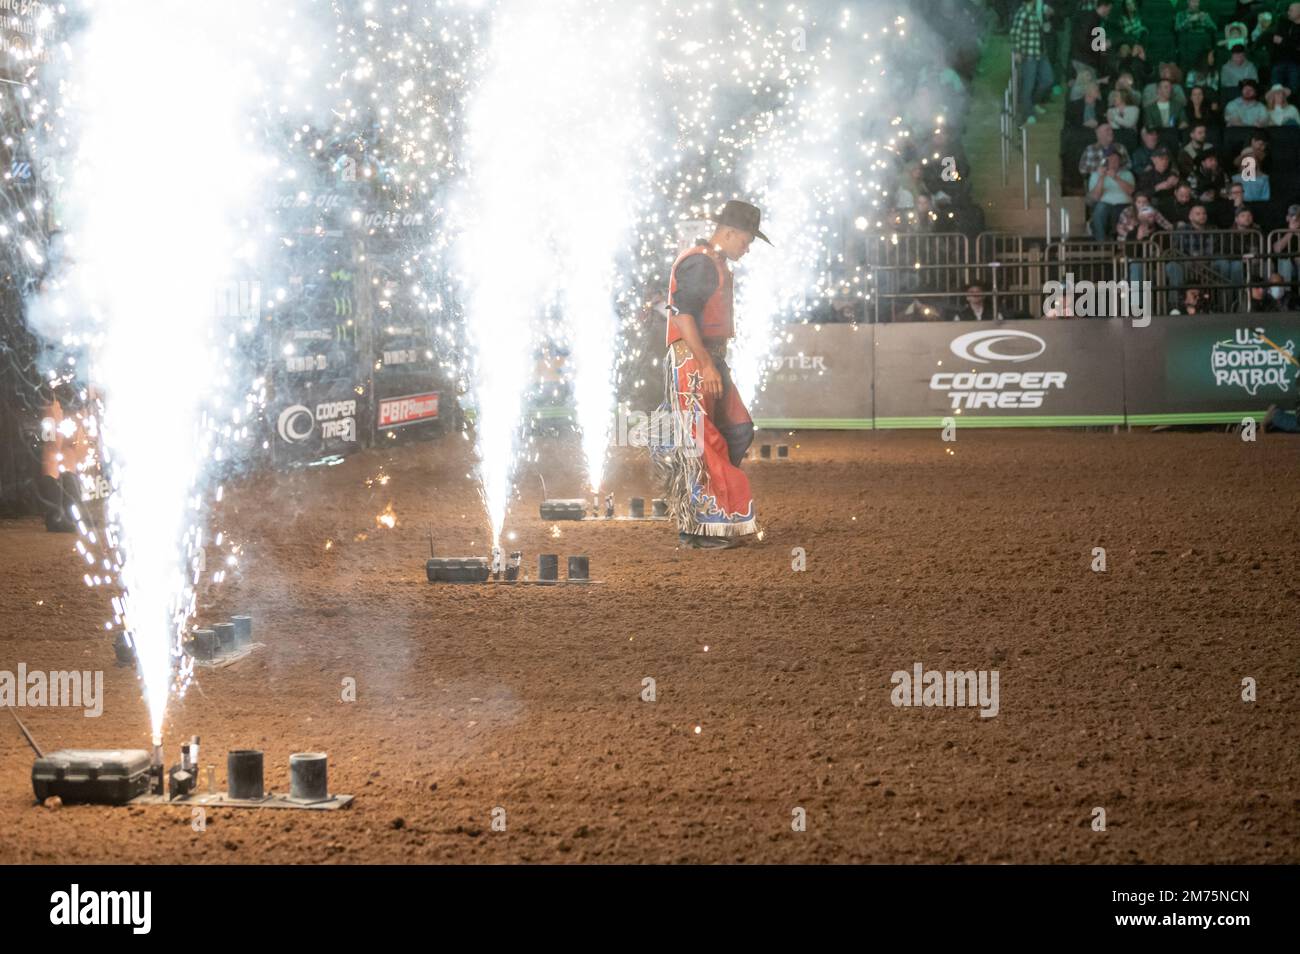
[(1037, 373)]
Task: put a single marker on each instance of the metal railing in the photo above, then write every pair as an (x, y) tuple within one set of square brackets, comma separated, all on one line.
[(1157, 279)]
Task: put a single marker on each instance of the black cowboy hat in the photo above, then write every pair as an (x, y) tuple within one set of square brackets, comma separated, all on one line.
[(741, 215)]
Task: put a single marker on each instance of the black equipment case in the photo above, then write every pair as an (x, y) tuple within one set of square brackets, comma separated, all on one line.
[(556, 509), (100, 776), (457, 570)]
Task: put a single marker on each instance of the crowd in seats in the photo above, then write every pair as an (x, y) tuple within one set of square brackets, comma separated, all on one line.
[(1185, 115), (931, 180), (1180, 133)]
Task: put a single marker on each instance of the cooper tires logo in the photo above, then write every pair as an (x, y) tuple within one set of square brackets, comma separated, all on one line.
[(985, 346), (295, 424)]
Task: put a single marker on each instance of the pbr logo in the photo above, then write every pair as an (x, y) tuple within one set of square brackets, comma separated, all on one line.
[(337, 421), (410, 409), (1014, 390), (1246, 362)]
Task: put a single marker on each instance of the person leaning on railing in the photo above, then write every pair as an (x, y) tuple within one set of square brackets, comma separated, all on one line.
[(1270, 298), (1286, 247), (1190, 303), (1191, 246)]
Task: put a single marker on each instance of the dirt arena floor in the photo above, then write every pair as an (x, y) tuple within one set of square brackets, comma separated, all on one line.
[(1119, 690)]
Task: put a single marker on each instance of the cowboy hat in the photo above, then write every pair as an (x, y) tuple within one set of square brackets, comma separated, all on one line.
[(741, 215)]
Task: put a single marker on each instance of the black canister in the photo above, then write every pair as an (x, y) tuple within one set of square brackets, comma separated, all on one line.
[(548, 567), (244, 773), (308, 776), (243, 629), (225, 635), (579, 568), (638, 506), (660, 506)]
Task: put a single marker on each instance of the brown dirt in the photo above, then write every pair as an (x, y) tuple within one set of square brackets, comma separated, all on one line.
[(1119, 690)]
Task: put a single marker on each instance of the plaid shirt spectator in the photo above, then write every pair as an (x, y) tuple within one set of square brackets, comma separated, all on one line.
[(1193, 241), (1094, 157), (1130, 220), (1027, 28), (1186, 20)]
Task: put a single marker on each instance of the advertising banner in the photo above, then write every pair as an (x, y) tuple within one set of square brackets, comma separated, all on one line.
[(819, 378), (1189, 369), (320, 420), (1000, 374)]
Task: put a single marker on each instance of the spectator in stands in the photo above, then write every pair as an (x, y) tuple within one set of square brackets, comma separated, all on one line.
[(1177, 208), (1254, 164), (1246, 109), (1238, 69), (1088, 43), (1123, 112), (1195, 31), (1286, 247), (1027, 43), (1133, 61), (977, 307), (1139, 221), (1141, 160), (1279, 289), (1263, 29), (1087, 111), (1162, 112), (911, 183), (1161, 179), (1268, 298), (1233, 201), (1192, 240), (924, 218), (1202, 108), (1171, 72), (1190, 303), (1131, 27), (1110, 189), (1234, 269), (1208, 181), (1198, 144), (1280, 112), (1204, 72), (1125, 81), (1286, 49), (1095, 155)]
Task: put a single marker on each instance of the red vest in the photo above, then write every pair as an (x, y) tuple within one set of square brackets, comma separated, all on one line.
[(717, 322)]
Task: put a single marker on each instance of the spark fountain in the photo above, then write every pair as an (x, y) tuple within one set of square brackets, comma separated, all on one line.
[(161, 175), (550, 205)]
